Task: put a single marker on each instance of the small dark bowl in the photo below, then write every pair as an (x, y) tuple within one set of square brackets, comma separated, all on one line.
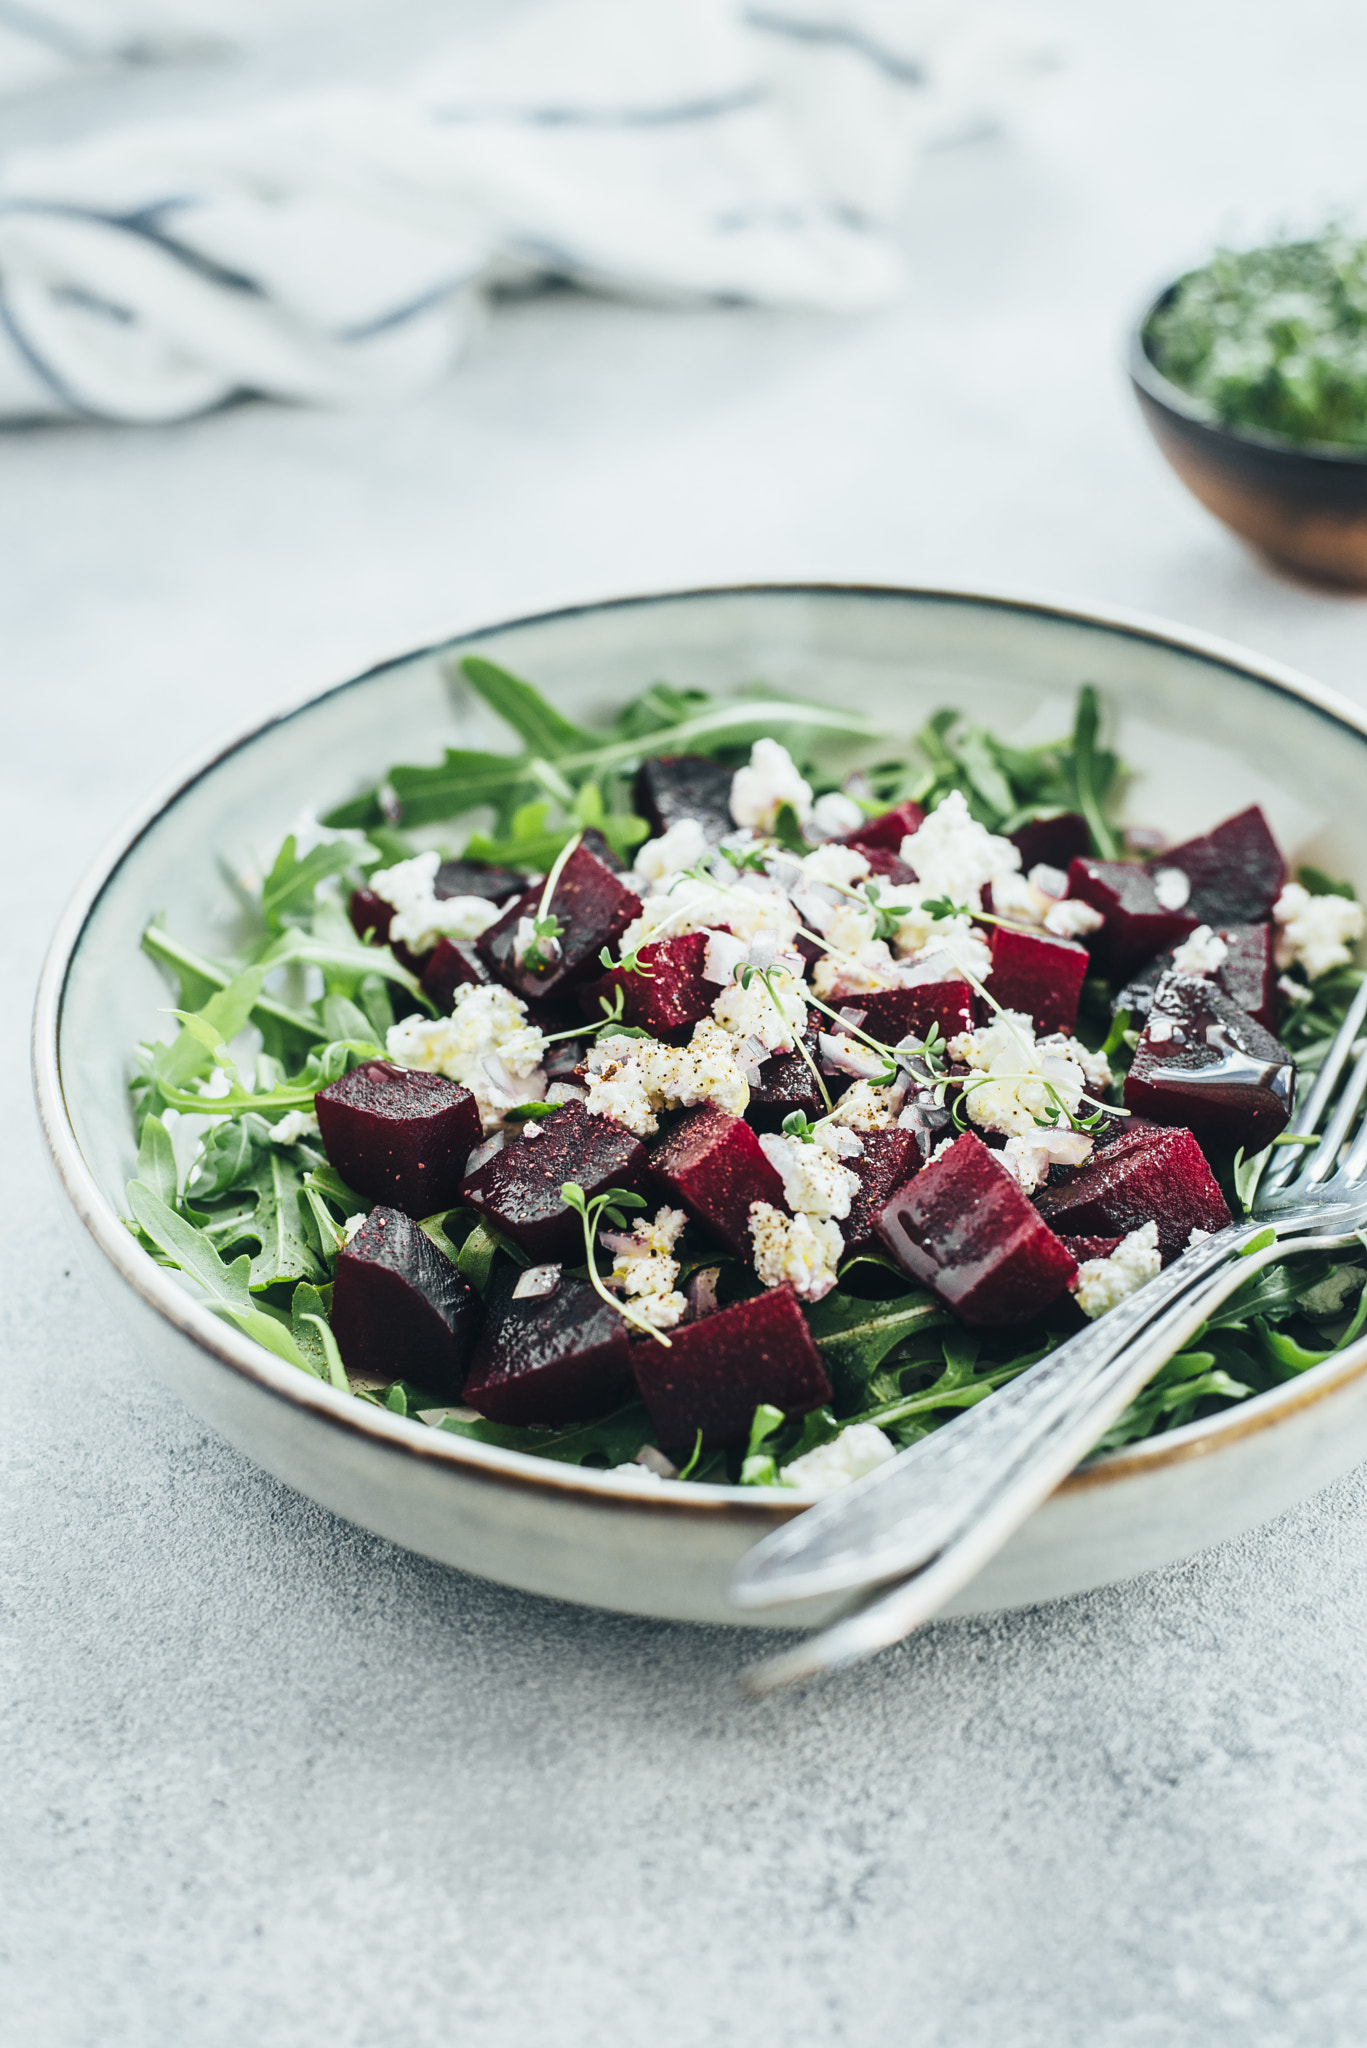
[(1302, 503)]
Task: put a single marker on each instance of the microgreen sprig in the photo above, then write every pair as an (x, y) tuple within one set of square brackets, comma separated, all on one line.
[(745, 974), (591, 1213)]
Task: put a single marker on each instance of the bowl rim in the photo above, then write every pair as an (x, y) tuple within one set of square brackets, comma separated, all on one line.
[(518, 1470), (1150, 381)]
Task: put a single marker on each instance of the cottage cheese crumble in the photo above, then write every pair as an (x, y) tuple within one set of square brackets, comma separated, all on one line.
[(1102, 1283), (771, 780), (488, 1025), (801, 1252), (631, 1079), (859, 1449), (1315, 932), (1202, 953), (421, 917)]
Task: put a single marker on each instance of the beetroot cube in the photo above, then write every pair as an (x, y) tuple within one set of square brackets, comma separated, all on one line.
[(400, 1310), (1146, 1175), (966, 1229), (593, 907), (888, 829), (888, 1160), (1248, 974), (685, 786), (453, 963), (1053, 842), (667, 998), (371, 917), (787, 1083), (476, 878), (518, 1190), (1083, 1248), (888, 867), (1137, 926), (717, 1372), (548, 1358), (397, 1136), (1236, 872), (892, 1014), (1203, 1062), (712, 1165), (1039, 974)]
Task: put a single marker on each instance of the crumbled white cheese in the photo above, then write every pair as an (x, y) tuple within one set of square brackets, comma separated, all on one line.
[(1015, 1095), (775, 1020), (1202, 953), (687, 903), (859, 1449), (839, 1139), (1096, 1068), (1020, 898), (645, 1270), (954, 856), (637, 1468), (1102, 1283), (865, 1108), (630, 1079), (944, 1146), (420, 917), (838, 867), (1196, 1236), (814, 1181), (1028, 1159), (353, 1224), (771, 780), (1327, 1298), (1071, 919), (684, 845), (955, 953), (835, 814), (294, 1125), (1049, 881), (488, 1024), (801, 1252), (1171, 887), (1315, 932)]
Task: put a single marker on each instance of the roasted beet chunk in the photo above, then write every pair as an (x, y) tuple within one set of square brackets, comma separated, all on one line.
[(888, 829), (453, 963), (786, 1082), (685, 786), (1203, 1062), (717, 1372), (1236, 872), (548, 1358), (888, 867), (1053, 842), (667, 997), (397, 1136), (370, 916), (593, 908), (518, 1190), (892, 1014), (964, 1228), (888, 1160), (1248, 976), (476, 878), (400, 1310), (1040, 975), (1083, 1248), (1147, 1174), (1137, 924), (712, 1165)]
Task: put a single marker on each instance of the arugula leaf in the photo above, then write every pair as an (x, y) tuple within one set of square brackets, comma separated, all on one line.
[(1093, 772), (189, 1250), (1171, 1398), (291, 883), (308, 1305), (758, 1467), (196, 972), (1319, 884), (538, 724), (157, 1161), (612, 1440), (854, 1336)]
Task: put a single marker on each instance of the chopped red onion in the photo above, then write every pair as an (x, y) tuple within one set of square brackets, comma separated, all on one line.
[(536, 1282), (482, 1154), (700, 1292)]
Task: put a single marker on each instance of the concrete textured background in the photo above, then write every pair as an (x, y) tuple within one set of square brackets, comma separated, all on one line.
[(266, 1778)]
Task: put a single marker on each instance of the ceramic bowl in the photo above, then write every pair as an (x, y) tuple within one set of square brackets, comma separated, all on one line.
[(1304, 505), (1207, 730)]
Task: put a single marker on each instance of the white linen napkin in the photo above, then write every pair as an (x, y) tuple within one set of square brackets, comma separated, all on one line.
[(331, 248)]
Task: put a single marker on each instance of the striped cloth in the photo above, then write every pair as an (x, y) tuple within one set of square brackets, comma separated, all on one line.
[(333, 248)]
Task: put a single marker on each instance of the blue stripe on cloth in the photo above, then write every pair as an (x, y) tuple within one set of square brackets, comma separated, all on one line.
[(383, 322), (903, 70), (611, 117), (54, 35), (144, 223), (38, 363)]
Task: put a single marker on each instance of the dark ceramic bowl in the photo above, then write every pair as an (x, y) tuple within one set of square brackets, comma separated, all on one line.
[(1303, 504)]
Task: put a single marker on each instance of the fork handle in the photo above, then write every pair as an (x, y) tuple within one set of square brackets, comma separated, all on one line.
[(978, 1521)]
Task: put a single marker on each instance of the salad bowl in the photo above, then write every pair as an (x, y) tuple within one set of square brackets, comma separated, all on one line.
[(1205, 730)]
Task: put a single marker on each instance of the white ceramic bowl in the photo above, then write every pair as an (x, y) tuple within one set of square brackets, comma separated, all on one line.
[(1207, 729)]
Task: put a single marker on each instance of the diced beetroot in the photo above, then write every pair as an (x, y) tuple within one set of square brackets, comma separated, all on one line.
[(787, 1083), (1248, 976), (518, 1190), (1236, 872), (1053, 842), (711, 1163), (476, 878), (371, 918), (892, 1014), (1039, 974), (667, 997), (400, 1310), (717, 1372), (888, 829), (685, 786), (1083, 1248), (965, 1228), (1205, 1063), (888, 1160), (593, 907), (888, 867), (397, 1136), (453, 963), (1145, 1175), (548, 1358), (1137, 926)]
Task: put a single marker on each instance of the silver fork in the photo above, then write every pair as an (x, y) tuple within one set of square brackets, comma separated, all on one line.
[(910, 1534)]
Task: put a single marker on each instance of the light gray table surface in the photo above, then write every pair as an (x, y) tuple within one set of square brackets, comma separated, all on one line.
[(266, 1779)]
